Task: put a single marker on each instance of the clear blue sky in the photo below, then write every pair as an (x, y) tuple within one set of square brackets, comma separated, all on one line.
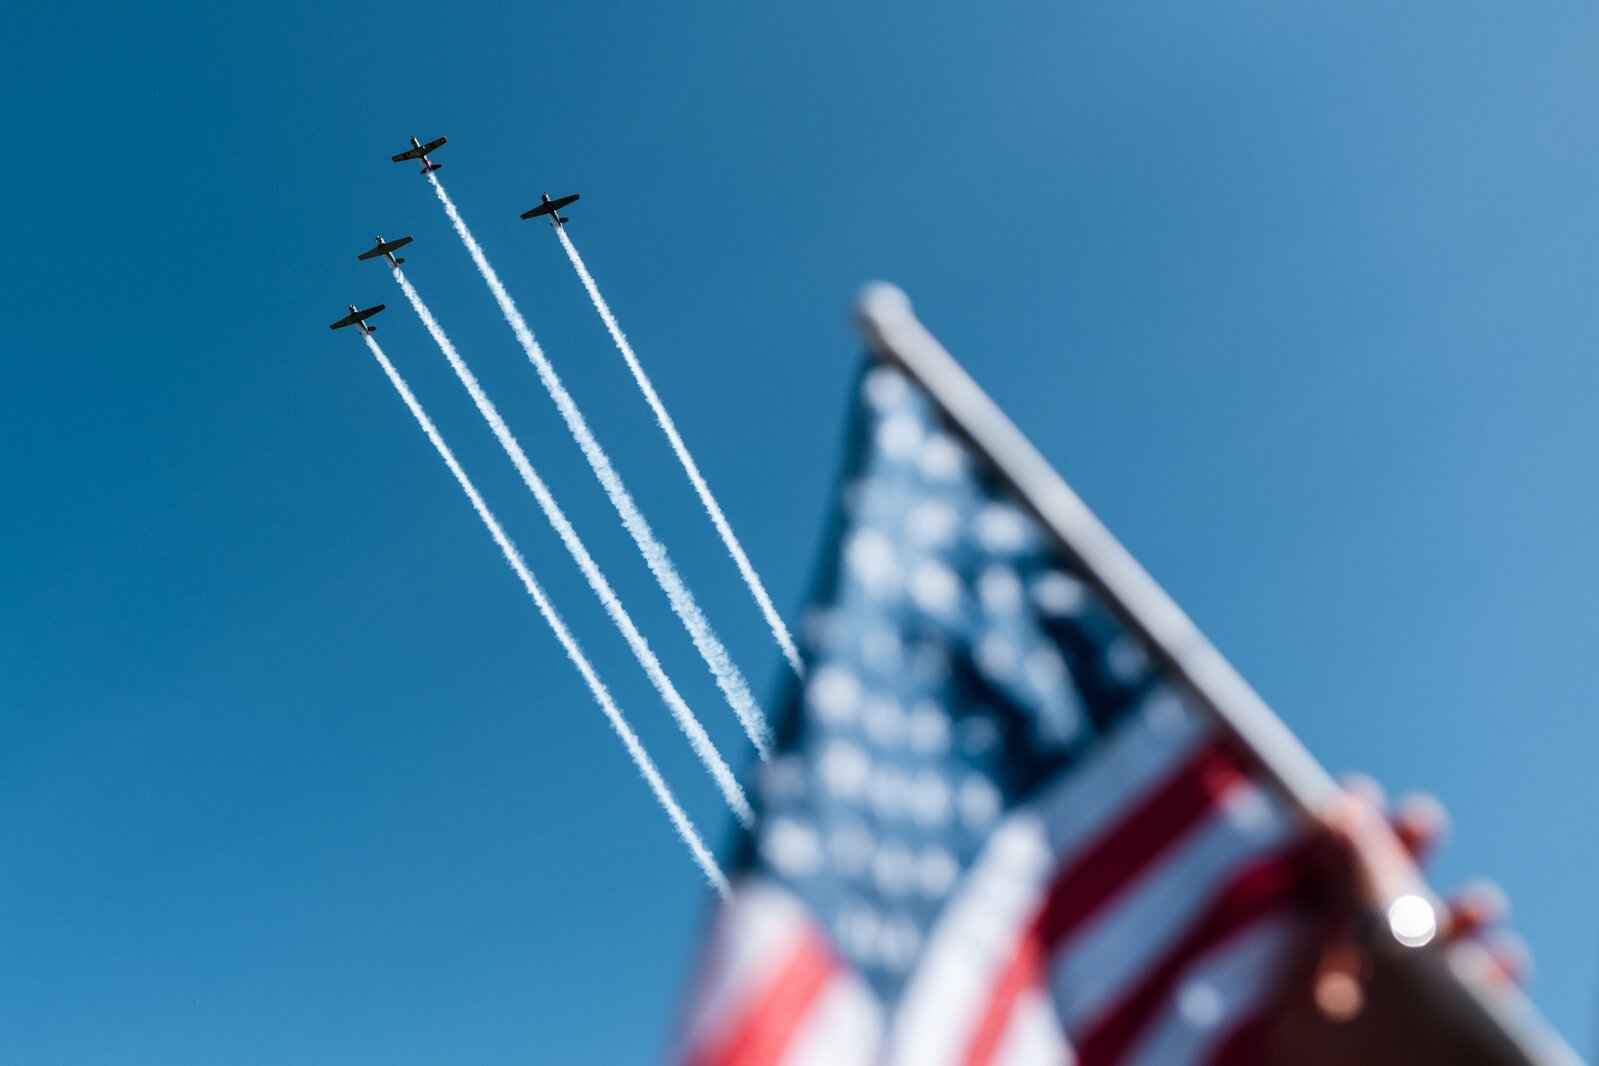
[(1303, 302)]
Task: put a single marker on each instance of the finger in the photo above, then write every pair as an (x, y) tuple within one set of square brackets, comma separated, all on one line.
[(1498, 959), (1474, 909), (1367, 790), (1511, 955), (1420, 822)]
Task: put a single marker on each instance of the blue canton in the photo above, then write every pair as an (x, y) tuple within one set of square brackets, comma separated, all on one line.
[(956, 663)]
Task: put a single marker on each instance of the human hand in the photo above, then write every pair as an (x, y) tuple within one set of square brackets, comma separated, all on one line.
[(1370, 990)]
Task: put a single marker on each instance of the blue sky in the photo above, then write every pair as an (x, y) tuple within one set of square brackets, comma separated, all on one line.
[(1302, 301)]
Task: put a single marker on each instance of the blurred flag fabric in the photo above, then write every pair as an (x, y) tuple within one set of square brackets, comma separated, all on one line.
[(992, 832)]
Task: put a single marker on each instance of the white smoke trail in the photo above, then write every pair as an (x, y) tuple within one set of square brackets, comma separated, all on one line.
[(775, 621), (602, 696), (728, 677), (697, 738)]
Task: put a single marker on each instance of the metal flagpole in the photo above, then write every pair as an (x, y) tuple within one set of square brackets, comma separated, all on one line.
[(1505, 1027)]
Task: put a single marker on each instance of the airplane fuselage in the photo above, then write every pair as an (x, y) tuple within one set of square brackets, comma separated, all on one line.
[(428, 166), (420, 151)]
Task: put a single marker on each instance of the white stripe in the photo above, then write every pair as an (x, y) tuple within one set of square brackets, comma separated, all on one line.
[(1033, 1036), (1093, 969), (972, 941), (1224, 988), (754, 934), (1132, 761), (844, 1027), (982, 925)]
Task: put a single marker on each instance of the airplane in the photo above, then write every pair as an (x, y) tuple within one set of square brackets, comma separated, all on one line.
[(552, 208), (386, 250), (418, 150), (358, 318)]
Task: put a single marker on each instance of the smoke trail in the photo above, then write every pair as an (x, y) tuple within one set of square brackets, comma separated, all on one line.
[(728, 677), (602, 696), (701, 743), (780, 631)]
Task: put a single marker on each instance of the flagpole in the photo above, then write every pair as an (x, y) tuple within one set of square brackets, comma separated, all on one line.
[(894, 334)]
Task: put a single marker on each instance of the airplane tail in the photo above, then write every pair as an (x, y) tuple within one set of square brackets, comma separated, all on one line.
[(431, 167), (398, 260), (559, 218)]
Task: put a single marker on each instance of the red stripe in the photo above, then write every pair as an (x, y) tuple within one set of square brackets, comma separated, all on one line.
[(1259, 890), (1244, 1046), (1115, 858), (768, 1024)]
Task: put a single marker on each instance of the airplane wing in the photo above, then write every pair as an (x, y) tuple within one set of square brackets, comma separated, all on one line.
[(419, 151), (551, 207), (356, 316), (384, 247)]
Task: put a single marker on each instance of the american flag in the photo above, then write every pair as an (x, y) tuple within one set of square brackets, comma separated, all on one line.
[(993, 832)]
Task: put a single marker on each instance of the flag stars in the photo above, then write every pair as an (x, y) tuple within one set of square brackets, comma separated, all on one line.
[(979, 802), (885, 388), (856, 929), (999, 590), (1002, 528), (894, 870), (1059, 720), (872, 560), (886, 940), (930, 799), (941, 458), (845, 770), (1058, 594), (928, 729), (899, 943), (933, 523), (1045, 669), (998, 656), (882, 650), (936, 871), (929, 663), (1163, 712), (1126, 660), (834, 694), (850, 846), (783, 780), (935, 588), (900, 437), (792, 848), (884, 721), (889, 793)]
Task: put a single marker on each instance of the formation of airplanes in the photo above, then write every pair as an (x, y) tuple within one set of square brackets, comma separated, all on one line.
[(547, 208)]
